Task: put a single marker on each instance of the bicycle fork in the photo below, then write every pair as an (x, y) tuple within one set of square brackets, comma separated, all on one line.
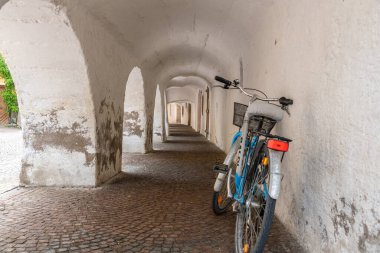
[(228, 162)]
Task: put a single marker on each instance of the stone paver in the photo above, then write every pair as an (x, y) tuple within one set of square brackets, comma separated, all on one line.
[(10, 157), (161, 203)]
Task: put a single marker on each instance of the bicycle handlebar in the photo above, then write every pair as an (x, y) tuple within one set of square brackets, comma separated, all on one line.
[(285, 101), (223, 80), (227, 83)]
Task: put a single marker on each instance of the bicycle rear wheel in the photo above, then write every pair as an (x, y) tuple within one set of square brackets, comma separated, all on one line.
[(255, 218)]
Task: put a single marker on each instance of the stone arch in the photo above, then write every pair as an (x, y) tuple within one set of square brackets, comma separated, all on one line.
[(199, 85), (108, 66), (55, 99), (187, 98)]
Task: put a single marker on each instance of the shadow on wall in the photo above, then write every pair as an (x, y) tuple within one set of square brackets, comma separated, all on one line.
[(2, 2)]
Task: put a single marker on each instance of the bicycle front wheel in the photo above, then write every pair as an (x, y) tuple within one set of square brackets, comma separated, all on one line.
[(255, 217), (220, 200)]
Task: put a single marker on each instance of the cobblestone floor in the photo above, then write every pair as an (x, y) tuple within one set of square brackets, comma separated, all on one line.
[(160, 203), (10, 157)]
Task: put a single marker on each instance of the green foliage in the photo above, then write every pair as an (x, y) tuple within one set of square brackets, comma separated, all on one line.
[(9, 93)]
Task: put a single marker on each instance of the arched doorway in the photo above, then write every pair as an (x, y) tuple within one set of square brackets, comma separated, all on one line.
[(10, 131), (134, 123)]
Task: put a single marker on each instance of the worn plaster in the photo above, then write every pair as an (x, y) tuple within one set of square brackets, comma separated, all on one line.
[(323, 54)]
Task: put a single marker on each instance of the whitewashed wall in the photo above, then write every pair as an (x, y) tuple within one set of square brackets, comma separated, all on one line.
[(326, 56)]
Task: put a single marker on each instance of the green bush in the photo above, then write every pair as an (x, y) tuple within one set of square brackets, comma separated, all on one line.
[(9, 94)]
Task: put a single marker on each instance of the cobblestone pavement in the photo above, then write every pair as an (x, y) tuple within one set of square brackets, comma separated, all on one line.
[(10, 157), (160, 203)]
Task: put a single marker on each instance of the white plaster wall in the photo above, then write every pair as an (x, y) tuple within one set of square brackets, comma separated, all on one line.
[(217, 117), (193, 111), (203, 113), (172, 113), (50, 74), (326, 56), (184, 114), (164, 125), (187, 114), (198, 118), (165, 109), (134, 133)]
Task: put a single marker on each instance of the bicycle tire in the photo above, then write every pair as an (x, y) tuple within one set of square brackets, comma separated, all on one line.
[(220, 201), (267, 218), (217, 206)]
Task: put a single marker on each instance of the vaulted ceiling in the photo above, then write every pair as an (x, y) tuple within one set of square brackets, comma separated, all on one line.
[(177, 38)]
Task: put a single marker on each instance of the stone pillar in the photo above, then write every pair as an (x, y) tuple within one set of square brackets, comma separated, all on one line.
[(158, 127), (166, 119), (56, 106), (150, 94), (163, 116)]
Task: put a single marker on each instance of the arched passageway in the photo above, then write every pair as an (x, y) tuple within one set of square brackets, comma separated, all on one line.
[(181, 113), (10, 131), (71, 60), (134, 125)]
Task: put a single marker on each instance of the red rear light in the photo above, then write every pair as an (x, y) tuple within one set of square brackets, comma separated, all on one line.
[(278, 145)]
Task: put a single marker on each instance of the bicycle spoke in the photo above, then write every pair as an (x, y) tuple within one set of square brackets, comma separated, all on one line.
[(254, 216), (258, 215)]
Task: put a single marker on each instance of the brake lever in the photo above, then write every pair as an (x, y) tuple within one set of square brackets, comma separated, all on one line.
[(286, 109)]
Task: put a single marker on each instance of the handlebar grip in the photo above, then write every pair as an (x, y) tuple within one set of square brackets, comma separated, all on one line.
[(222, 80), (285, 101)]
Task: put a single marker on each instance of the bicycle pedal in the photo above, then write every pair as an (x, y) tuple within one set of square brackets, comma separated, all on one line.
[(221, 168), (235, 207)]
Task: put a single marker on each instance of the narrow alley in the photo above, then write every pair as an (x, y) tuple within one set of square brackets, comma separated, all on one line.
[(161, 202)]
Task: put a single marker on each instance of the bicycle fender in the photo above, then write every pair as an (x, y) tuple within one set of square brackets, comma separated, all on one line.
[(227, 161), (275, 173)]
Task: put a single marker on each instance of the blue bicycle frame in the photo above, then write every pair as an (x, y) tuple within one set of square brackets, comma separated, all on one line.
[(240, 180)]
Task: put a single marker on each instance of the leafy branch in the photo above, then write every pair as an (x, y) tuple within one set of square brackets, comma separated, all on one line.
[(9, 94)]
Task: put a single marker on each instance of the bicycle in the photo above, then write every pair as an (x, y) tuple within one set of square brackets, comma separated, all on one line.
[(252, 167)]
